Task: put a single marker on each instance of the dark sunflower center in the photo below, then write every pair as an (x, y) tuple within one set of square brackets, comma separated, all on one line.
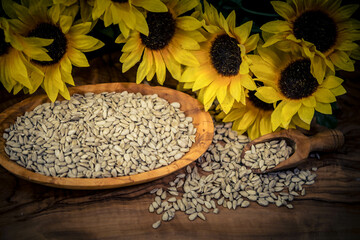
[(296, 80), (316, 27), (57, 48), (225, 55), (258, 103), (4, 46), (120, 1), (161, 30)]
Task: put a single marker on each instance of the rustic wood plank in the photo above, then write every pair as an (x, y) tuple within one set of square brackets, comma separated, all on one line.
[(329, 210)]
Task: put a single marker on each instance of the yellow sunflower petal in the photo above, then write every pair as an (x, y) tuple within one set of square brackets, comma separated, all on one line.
[(127, 15), (247, 119), (141, 24), (244, 68), (276, 26), (339, 90), (236, 125), (324, 95), (108, 18), (183, 56), (289, 110), (234, 114), (188, 23), (120, 39), (54, 13), (262, 69), (201, 82), (221, 92), (133, 58), (306, 113), (243, 31), (231, 19), (160, 67), (173, 66), (184, 6), (332, 82), (65, 93), (223, 23), (77, 58), (251, 42), (298, 122), (131, 44), (81, 28), (85, 43), (99, 8), (50, 88), (227, 103), (254, 130), (152, 6), (36, 80), (309, 101), (186, 42), (144, 66), (188, 85), (66, 68), (342, 61), (346, 11), (188, 75), (274, 39), (235, 88), (65, 23), (124, 29), (265, 125), (283, 9), (56, 78), (270, 57), (152, 70), (318, 68), (267, 94), (323, 108), (347, 45), (210, 92), (247, 82), (17, 69), (8, 9)]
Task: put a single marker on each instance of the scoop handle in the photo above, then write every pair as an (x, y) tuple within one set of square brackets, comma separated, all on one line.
[(327, 141)]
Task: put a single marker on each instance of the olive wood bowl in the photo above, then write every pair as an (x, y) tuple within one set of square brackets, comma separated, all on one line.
[(191, 107)]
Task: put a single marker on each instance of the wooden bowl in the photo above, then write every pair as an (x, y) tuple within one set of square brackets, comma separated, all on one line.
[(192, 107)]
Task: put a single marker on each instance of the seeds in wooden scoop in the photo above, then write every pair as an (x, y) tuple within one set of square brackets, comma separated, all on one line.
[(267, 155), (100, 135), (220, 178)]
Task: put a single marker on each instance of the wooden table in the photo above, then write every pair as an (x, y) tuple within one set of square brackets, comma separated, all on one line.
[(329, 210)]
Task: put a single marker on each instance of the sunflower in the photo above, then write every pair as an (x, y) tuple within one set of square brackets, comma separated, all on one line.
[(253, 118), (69, 43), (223, 72), (289, 83), (14, 51), (125, 14), (321, 28), (168, 45)]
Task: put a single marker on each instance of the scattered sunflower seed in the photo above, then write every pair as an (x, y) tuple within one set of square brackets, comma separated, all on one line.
[(230, 183)]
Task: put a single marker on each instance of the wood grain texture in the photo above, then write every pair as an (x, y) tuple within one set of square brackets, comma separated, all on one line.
[(190, 106), (329, 210)]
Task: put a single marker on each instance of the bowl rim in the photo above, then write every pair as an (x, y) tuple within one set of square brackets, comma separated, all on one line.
[(203, 139)]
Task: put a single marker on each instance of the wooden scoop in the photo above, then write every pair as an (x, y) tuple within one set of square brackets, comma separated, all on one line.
[(325, 141)]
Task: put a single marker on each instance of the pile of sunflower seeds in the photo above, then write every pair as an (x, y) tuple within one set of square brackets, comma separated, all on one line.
[(100, 135), (220, 179), (267, 155)]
